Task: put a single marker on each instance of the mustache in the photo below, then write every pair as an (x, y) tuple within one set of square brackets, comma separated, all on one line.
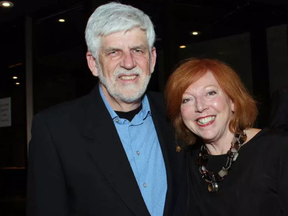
[(123, 71)]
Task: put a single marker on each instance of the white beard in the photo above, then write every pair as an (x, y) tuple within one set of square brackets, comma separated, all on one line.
[(126, 93)]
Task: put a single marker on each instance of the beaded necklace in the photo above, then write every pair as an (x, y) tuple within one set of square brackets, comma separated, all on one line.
[(210, 177)]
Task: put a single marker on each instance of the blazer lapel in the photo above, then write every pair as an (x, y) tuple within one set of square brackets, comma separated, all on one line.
[(174, 161), (106, 149)]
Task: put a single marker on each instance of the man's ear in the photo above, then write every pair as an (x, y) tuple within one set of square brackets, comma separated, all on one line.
[(91, 61), (153, 59)]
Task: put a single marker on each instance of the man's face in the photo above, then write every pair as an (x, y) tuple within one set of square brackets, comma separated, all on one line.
[(124, 66)]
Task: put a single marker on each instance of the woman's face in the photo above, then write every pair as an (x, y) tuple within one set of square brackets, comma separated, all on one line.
[(206, 110)]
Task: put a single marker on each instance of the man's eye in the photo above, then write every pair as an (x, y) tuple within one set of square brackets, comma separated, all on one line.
[(138, 51), (112, 52)]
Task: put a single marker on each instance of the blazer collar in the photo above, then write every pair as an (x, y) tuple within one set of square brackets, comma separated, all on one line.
[(106, 150)]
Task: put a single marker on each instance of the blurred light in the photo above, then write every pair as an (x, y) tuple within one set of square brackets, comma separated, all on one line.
[(17, 83), (182, 47), (61, 20), (195, 33), (6, 4), (15, 77), (15, 65)]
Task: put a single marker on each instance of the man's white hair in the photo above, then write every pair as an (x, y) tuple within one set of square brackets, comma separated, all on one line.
[(116, 17)]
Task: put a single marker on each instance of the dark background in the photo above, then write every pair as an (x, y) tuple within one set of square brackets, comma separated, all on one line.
[(251, 36)]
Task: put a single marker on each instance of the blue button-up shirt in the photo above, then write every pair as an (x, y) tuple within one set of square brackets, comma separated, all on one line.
[(141, 144)]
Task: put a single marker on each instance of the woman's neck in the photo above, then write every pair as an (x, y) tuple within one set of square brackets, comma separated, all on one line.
[(220, 146)]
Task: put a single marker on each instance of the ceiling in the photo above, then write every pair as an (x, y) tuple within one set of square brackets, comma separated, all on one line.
[(209, 11), (59, 48), (212, 18)]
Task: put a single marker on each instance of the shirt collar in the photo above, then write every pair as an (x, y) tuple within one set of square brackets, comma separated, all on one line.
[(146, 111)]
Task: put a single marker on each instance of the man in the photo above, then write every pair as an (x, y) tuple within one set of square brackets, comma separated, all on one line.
[(111, 152)]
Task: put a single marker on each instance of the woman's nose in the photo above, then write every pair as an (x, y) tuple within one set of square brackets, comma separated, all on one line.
[(201, 105)]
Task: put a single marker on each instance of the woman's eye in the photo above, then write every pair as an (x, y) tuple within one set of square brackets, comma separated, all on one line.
[(211, 93), (185, 100)]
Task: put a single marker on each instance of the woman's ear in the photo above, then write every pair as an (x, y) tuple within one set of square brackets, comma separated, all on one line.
[(232, 106)]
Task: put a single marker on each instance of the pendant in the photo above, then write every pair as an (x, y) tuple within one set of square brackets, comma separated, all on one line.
[(213, 187)]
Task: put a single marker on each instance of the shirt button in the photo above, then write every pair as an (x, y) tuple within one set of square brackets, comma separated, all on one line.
[(117, 120), (138, 152), (144, 185)]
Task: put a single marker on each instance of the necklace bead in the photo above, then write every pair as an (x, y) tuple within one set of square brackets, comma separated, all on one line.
[(213, 187)]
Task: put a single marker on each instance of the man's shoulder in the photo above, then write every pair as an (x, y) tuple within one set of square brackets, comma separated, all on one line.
[(73, 107)]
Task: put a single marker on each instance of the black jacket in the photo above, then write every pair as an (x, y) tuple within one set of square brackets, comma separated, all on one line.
[(77, 165)]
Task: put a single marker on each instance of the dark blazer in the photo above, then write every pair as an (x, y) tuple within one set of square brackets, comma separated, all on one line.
[(77, 165)]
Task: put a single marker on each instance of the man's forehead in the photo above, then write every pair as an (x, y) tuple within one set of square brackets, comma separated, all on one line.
[(116, 40), (134, 29)]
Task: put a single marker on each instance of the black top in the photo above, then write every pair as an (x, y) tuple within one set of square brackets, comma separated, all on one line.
[(257, 183), (279, 110), (129, 115)]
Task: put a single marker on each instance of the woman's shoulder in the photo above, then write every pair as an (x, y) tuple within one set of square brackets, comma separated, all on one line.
[(269, 133), (251, 132), (267, 138), (266, 133)]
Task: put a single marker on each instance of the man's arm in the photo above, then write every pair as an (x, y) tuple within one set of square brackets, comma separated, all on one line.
[(46, 189)]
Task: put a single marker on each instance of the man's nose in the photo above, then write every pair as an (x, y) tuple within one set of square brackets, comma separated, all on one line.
[(128, 61)]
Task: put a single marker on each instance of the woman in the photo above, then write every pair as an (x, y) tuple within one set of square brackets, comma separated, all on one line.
[(233, 169)]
